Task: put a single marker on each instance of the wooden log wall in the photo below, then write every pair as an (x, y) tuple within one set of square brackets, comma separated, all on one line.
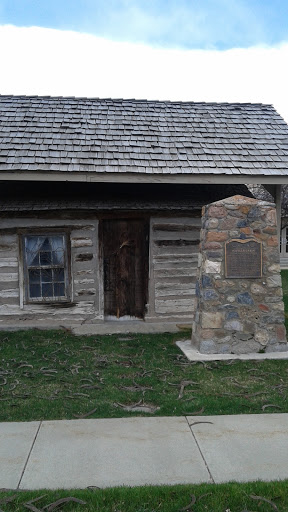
[(84, 268), (174, 243), (172, 267)]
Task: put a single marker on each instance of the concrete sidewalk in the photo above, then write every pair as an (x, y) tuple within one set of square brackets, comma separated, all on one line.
[(139, 451)]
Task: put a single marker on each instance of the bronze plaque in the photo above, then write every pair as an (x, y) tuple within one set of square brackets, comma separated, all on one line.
[(243, 259)]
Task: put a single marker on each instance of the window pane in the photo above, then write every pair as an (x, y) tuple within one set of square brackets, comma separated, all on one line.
[(32, 247), (58, 274), (34, 290), (46, 275), (58, 257), (34, 276), (45, 258), (59, 290), (46, 245), (34, 259), (57, 244), (47, 290)]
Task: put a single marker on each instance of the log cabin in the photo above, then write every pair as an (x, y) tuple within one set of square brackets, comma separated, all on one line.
[(101, 204)]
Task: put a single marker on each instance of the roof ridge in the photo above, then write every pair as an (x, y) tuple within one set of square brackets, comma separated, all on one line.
[(136, 100)]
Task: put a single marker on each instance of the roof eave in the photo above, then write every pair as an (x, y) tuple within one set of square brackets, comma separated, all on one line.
[(242, 176)]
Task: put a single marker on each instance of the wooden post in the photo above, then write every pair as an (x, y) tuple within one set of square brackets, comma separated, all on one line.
[(278, 211)]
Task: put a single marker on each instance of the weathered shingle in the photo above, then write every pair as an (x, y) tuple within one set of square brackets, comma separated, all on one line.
[(105, 135)]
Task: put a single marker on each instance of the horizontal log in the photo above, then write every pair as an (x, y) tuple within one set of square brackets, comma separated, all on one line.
[(184, 285), (49, 223), (174, 256), (8, 262), (175, 306), (176, 219), (163, 250), (9, 293), (8, 247), (84, 257), (81, 242), (176, 227), (174, 280), (8, 239), (174, 265), (177, 272), (6, 309), (178, 242), (84, 281), (178, 302), (82, 309), (85, 291), (8, 277), (175, 293), (181, 235)]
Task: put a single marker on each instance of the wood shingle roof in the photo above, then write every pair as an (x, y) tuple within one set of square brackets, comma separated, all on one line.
[(45, 134)]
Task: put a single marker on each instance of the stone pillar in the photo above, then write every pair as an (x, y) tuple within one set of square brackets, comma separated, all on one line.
[(240, 305)]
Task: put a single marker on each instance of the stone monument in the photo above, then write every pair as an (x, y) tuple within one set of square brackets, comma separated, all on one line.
[(240, 305)]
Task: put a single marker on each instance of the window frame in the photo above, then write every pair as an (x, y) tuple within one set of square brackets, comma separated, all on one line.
[(67, 267)]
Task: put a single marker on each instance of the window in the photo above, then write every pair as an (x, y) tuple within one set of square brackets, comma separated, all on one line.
[(45, 268)]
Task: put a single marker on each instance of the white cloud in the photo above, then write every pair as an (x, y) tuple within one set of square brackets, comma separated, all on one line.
[(52, 62)]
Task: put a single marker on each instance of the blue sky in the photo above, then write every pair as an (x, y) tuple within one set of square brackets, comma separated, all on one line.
[(190, 24), (189, 50)]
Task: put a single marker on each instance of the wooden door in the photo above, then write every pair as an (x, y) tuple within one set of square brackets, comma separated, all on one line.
[(125, 254)]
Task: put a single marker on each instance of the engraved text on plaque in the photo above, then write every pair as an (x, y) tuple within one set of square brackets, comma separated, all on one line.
[(243, 259)]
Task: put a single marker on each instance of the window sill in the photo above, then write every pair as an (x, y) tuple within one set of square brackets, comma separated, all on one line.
[(56, 303)]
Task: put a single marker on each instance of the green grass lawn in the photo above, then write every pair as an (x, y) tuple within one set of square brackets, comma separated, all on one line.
[(55, 375), (47, 375), (232, 497)]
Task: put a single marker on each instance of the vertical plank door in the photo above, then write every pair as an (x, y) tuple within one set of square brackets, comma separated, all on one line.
[(125, 252)]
